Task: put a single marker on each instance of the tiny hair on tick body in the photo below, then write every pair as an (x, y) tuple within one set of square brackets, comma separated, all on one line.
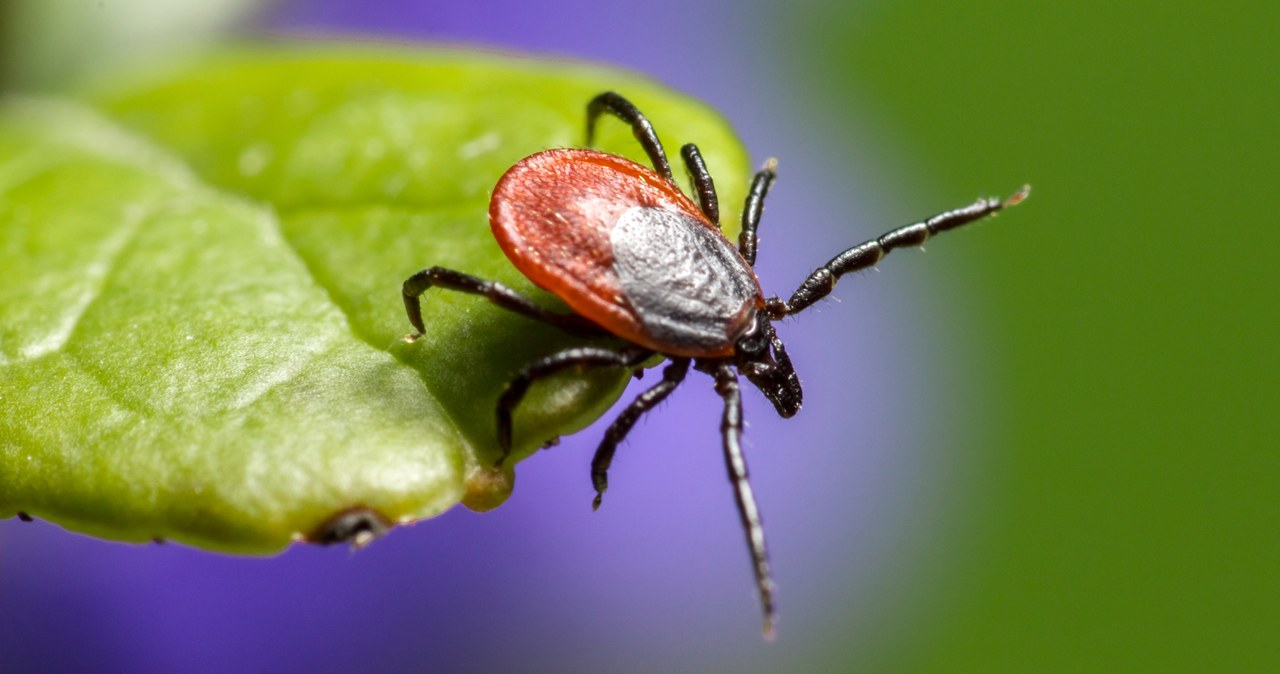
[(637, 259)]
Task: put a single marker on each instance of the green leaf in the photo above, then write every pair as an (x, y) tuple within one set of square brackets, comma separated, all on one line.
[(201, 334), (44, 43)]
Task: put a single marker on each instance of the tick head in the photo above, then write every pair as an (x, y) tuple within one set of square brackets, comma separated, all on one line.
[(763, 360)]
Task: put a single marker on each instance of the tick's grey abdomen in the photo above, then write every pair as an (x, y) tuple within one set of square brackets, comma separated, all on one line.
[(687, 284)]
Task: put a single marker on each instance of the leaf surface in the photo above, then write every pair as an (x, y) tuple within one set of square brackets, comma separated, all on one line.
[(201, 331)]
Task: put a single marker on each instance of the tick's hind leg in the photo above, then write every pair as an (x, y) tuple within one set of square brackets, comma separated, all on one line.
[(731, 432), (579, 357), (495, 292), (672, 375), (623, 109)]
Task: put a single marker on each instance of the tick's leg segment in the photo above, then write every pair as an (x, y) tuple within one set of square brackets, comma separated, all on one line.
[(821, 282), (672, 375), (494, 292), (578, 357), (747, 241), (731, 431), (697, 168), (640, 126)]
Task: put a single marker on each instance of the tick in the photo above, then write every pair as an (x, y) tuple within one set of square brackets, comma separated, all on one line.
[(638, 260)]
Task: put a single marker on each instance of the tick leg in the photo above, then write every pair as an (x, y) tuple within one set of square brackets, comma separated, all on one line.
[(497, 293), (731, 432), (579, 357), (823, 280), (623, 109), (672, 375), (697, 168), (751, 211)]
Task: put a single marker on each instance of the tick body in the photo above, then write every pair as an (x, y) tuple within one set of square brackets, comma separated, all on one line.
[(625, 249), (638, 260)]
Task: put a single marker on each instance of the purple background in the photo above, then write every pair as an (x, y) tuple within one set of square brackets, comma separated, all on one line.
[(851, 489)]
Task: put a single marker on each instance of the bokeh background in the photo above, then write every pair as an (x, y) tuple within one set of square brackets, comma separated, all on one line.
[(1048, 444)]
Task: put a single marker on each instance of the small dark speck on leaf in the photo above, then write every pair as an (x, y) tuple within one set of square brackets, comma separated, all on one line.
[(24, 517), (357, 526)]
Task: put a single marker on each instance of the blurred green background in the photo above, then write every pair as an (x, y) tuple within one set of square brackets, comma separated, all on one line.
[(1128, 470)]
